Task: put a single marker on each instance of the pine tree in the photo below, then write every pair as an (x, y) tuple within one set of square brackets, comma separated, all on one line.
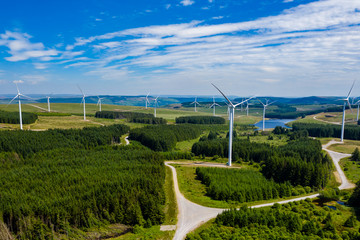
[(355, 156)]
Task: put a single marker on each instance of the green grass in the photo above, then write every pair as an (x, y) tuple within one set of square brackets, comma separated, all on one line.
[(351, 169), (170, 203), (347, 147), (140, 233)]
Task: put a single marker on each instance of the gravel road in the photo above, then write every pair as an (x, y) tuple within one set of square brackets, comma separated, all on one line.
[(336, 157)]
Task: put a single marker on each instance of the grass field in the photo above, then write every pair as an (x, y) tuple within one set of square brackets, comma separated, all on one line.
[(351, 169), (347, 147)]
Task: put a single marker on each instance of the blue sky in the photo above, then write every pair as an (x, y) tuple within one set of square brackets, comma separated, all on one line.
[(271, 47)]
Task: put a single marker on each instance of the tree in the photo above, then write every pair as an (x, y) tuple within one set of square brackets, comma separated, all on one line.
[(355, 156)]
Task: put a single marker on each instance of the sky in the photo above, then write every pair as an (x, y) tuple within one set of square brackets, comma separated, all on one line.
[(287, 48)]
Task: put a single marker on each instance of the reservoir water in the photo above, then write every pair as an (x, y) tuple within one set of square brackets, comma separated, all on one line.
[(272, 123)]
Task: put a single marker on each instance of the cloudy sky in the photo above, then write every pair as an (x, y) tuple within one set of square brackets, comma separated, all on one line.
[(246, 47)]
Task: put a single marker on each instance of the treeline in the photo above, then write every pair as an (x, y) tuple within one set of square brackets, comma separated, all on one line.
[(27, 143), (296, 220), (300, 162), (328, 130), (59, 191), (242, 185), (355, 197), (289, 113), (164, 137), (14, 118), (134, 117), (200, 120)]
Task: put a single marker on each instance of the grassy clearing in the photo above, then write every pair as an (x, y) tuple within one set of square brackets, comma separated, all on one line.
[(351, 169), (347, 147), (278, 140), (146, 233), (170, 203)]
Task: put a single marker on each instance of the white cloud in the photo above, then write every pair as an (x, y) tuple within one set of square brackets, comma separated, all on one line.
[(18, 81), (21, 48), (218, 17), (33, 79), (167, 6), (98, 19), (187, 2), (40, 66), (287, 1), (306, 43)]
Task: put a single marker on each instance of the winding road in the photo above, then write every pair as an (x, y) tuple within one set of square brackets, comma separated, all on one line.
[(192, 215), (336, 157)]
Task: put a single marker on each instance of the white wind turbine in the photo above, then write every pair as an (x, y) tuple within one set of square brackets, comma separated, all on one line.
[(195, 102), (155, 105), (357, 115), (18, 96), (265, 106), (231, 107), (99, 102), (147, 101), (346, 100), (247, 108), (48, 102), (213, 106), (83, 101)]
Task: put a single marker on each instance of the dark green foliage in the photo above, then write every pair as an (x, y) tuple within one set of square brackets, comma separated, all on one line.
[(355, 156), (200, 120), (14, 118), (355, 197), (288, 112), (82, 189), (29, 142), (212, 135), (53, 114), (234, 134), (279, 222), (240, 185), (328, 130), (164, 137), (300, 161), (350, 222), (134, 117)]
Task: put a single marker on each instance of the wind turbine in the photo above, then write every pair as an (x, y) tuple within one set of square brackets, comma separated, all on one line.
[(213, 106), (99, 102), (265, 106), (147, 101), (357, 115), (195, 102), (231, 107), (247, 108), (83, 101), (18, 96), (346, 100), (155, 105), (48, 103)]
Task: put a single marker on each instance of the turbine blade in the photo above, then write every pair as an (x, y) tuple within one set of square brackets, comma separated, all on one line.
[(80, 90), (244, 101), (350, 106), (350, 90), (26, 96), (12, 100), (17, 88), (272, 102), (223, 94)]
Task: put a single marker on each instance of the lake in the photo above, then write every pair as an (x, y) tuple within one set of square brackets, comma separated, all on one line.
[(272, 123)]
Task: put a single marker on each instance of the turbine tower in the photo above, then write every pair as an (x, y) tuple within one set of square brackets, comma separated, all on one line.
[(346, 100), (231, 107), (247, 108), (147, 101), (195, 102), (83, 101), (18, 96), (265, 106), (99, 102), (213, 106), (357, 115), (155, 105), (48, 103)]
